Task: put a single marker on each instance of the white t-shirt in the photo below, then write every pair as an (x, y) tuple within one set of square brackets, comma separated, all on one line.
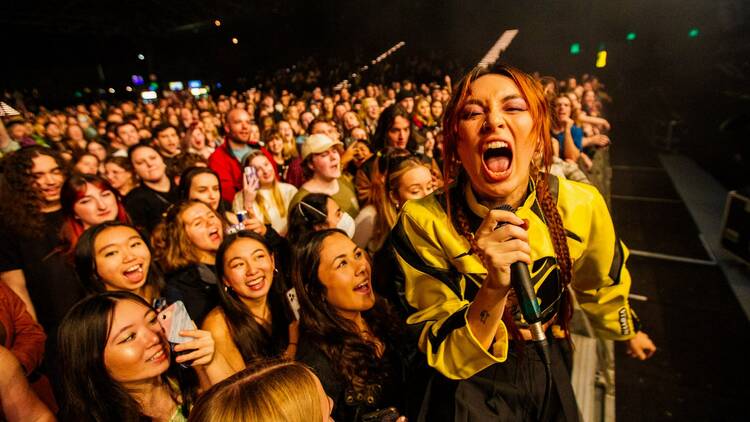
[(279, 223)]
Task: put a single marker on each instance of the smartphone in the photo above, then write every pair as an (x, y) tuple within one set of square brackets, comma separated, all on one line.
[(291, 297), (251, 176), (389, 414), (175, 318)]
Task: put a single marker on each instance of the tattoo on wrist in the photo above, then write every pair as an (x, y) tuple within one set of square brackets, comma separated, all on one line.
[(483, 316)]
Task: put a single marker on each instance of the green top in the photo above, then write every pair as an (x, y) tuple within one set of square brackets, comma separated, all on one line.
[(346, 198)]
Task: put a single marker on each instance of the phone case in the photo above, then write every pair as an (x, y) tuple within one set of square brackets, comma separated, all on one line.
[(175, 318), (291, 296), (250, 175)]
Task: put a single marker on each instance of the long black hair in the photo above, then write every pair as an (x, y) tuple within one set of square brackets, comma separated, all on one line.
[(353, 357), (90, 393), (252, 339), (85, 260), (385, 122), (306, 214)]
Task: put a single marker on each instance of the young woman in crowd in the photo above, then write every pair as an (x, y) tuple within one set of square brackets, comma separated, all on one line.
[(87, 200), (591, 125), (275, 146), (193, 232), (436, 109), (284, 129), (202, 184), (394, 130), (268, 390), (267, 199), (251, 321), (496, 144), (147, 202), (349, 337), (370, 114), (112, 256), (397, 177), (119, 173), (98, 149), (85, 163), (117, 364), (350, 121), (195, 140), (75, 139), (422, 117), (317, 211), (322, 162)]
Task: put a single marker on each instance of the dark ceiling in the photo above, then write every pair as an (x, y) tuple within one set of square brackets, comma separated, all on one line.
[(64, 45)]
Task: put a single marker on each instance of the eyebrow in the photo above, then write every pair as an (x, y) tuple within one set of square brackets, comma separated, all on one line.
[(129, 325), (112, 244), (40, 173), (504, 99), (343, 255)]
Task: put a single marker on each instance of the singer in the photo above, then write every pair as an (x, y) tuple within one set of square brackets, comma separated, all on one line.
[(456, 250)]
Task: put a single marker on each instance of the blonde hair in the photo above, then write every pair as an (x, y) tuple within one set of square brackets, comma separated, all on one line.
[(283, 391), (278, 200), (387, 171)]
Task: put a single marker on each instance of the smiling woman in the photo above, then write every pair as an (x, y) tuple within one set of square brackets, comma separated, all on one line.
[(117, 363), (349, 336), (251, 321), (88, 200), (113, 256)]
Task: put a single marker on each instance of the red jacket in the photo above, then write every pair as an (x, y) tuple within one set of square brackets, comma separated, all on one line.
[(229, 169)]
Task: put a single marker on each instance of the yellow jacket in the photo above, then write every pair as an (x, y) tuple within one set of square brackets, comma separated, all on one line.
[(442, 276)]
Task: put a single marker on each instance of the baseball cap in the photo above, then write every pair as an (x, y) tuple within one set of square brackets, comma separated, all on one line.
[(317, 143)]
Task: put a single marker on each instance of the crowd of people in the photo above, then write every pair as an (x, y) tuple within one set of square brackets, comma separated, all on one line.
[(338, 251)]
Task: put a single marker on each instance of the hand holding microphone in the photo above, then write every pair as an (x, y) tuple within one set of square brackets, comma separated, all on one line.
[(502, 240)]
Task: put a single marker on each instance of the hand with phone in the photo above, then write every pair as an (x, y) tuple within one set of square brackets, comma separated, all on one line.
[(250, 186), (188, 343)]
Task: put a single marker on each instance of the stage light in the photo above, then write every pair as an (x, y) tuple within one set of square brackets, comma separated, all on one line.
[(217, 22), (693, 32), (141, 56), (153, 86), (137, 80), (129, 88), (77, 94), (111, 90), (575, 48), (235, 41), (630, 36), (601, 59)]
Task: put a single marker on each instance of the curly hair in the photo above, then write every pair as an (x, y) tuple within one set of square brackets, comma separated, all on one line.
[(20, 200), (353, 357)]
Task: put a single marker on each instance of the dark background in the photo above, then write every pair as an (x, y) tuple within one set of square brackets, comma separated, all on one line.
[(62, 47)]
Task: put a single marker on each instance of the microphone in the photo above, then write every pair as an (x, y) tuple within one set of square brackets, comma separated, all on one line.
[(520, 281)]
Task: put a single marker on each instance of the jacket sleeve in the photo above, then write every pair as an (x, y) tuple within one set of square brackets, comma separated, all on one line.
[(601, 280), (220, 163), (29, 337), (436, 290)]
